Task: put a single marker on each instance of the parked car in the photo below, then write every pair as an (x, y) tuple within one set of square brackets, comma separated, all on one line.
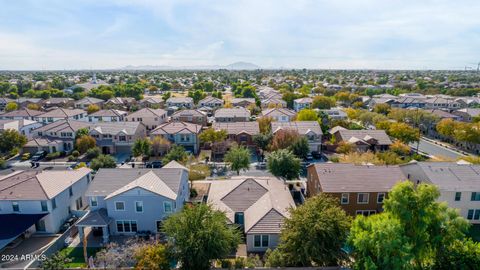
[(39, 155)]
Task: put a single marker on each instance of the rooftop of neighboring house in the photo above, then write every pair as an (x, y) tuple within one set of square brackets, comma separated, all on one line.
[(251, 128), (189, 113), (442, 114), (63, 126), (232, 112), (237, 100), (62, 113), (302, 127), (164, 182), (470, 111), (21, 113), (42, 142), (38, 185), (5, 100), (25, 99), (305, 100), (108, 113), (18, 123), (346, 177), (148, 112), (176, 127), (114, 128), (211, 99), (275, 100), (58, 100), (439, 99), (180, 100), (364, 135), (449, 176), (278, 112), (89, 100), (264, 201), (121, 100), (153, 100)]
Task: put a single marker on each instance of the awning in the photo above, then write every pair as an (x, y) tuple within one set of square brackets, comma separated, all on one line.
[(97, 218), (15, 224)]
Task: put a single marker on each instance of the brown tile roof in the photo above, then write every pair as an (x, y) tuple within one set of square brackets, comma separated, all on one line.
[(148, 112), (302, 127), (251, 128), (64, 126), (21, 113), (61, 112), (176, 127), (232, 112), (379, 135)]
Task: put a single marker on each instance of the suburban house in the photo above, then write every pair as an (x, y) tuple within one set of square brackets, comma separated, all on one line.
[(121, 103), (58, 102), (26, 114), (138, 199), (59, 136), (364, 140), (459, 184), (111, 115), (442, 114), (87, 101), (335, 113), (258, 205), (23, 102), (240, 132), (40, 201), (152, 102), (408, 102), (180, 133), (276, 102), (4, 101), (211, 102), (180, 102), (23, 126), (309, 129), (302, 103), (117, 137), (467, 114), (243, 102), (238, 114), (360, 189), (61, 114), (441, 103), (151, 118), (191, 116), (279, 114)]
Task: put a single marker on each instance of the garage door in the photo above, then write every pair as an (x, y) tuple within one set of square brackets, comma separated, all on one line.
[(123, 149)]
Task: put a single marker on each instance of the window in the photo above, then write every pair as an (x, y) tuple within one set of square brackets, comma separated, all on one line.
[(345, 199), (126, 226), (366, 212), (44, 206), (458, 196), (70, 191), (470, 214), (54, 203), (139, 207), (475, 196), (16, 207), (476, 216), (122, 138), (239, 218), (261, 240), (167, 207), (380, 197), (93, 201), (362, 198), (119, 206), (79, 203)]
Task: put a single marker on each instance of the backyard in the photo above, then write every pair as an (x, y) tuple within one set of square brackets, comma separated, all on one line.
[(76, 254)]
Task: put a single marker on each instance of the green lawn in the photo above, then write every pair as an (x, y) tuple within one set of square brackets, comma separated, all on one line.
[(76, 254)]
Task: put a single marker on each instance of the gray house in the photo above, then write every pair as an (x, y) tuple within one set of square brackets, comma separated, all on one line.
[(126, 201)]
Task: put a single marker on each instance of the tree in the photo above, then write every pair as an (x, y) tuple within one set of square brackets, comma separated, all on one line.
[(283, 163), (418, 228), (92, 108), (400, 148), (239, 158), (177, 153), (56, 261), (265, 124), (300, 147), (344, 147), (382, 108), (307, 115), (81, 132), (283, 139), (11, 106), (460, 255), (322, 102), (213, 136), (84, 143), (103, 161), (200, 234), (197, 95), (314, 234), (446, 127), (403, 132), (142, 147), (160, 145), (154, 257), (262, 140), (11, 139), (33, 106)]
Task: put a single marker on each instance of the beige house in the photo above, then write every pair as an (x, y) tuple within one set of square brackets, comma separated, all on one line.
[(61, 114), (191, 116), (211, 102), (180, 133), (238, 114), (117, 137), (279, 114), (87, 101), (243, 102), (151, 118)]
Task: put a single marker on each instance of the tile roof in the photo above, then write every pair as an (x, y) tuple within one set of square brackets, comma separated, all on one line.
[(305, 100), (21, 113), (89, 100), (109, 113), (345, 177), (148, 181), (302, 127), (232, 112), (278, 112), (211, 99), (114, 128), (180, 100), (62, 113), (186, 113), (235, 128), (63, 126), (148, 112), (176, 127), (379, 135)]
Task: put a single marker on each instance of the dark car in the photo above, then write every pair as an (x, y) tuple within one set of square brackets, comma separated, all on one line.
[(39, 155)]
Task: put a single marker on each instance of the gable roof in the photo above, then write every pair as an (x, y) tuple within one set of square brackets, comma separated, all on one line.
[(38, 185), (379, 135), (176, 127), (278, 112), (211, 99), (235, 128), (180, 100), (89, 100), (63, 126), (109, 113), (114, 128), (62, 113), (21, 113), (302, 127), (148, 181), (232, 112), (148, 112), (346, 177), (186, 113)]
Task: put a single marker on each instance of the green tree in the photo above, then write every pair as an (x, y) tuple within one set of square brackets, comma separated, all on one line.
[(197, 95), (213, 136), (322, 102), (56, 261), (283, 163), (84, 143), (459, 255), (307, 115), (11, 106), (92, 108), (11, 139), (382, 108), (153, 257), (300, 147), (239, 158), (177, 153), (262, 140), (142, 147), (403, 132), (314, 234), (200, 234), (103, 161)]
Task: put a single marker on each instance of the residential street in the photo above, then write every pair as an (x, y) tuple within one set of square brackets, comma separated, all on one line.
[(436, 150)]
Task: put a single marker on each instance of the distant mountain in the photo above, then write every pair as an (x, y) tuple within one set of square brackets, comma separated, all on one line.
[(233, 66)]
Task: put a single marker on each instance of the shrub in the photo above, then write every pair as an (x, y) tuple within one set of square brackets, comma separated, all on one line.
[(26, 156), (75, 153), (239, 263), (72, 158), (198, 172), (53, 155), (93, 152)]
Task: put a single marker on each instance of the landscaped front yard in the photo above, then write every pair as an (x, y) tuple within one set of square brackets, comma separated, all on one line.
[(76, 254)]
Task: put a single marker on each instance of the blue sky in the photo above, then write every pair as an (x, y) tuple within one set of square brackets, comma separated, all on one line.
[(90, 34)]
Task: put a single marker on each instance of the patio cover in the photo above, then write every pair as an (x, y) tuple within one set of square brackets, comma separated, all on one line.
[(96, 218), (15, 224)]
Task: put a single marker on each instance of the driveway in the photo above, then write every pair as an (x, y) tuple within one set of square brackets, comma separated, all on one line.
[(17, 256)]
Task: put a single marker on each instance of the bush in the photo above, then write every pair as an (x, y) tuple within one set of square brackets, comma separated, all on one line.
[(26, 156), (3, 163), (193, 193), (93, 152), (72, 158), (226, 264), (53, 155), (334, 159), (198, 172), (75, 153), (239, 263)]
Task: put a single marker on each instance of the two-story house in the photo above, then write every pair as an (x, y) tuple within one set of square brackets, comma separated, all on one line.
[(240, 132), (152, 102), (279, 114), (243, 102), (211, 102), (365, 139), (180, 102), (459, 184), (39, 201), (110, 115), (60, 102), (24, 127), (87, 101), (121, 103), (360, 189), (238, 114), (180, 133), (151, 118), (310, 129), (61, 114), (191, 116), (137, 200), (117, 137), (302, 103)]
